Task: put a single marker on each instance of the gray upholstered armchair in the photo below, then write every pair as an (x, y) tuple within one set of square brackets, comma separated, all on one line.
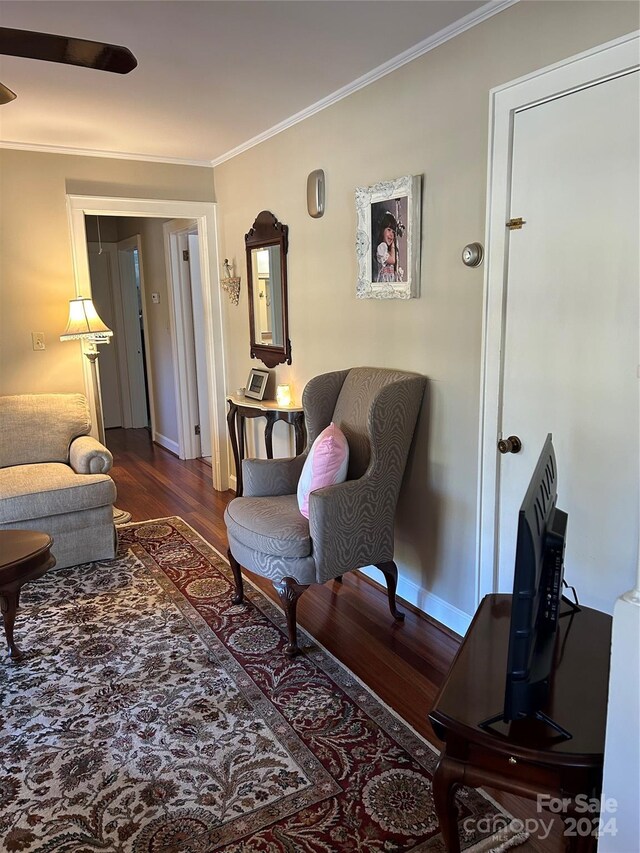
[(351, 524)]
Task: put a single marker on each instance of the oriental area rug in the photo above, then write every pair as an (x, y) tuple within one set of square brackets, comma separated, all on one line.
[(153, 716)]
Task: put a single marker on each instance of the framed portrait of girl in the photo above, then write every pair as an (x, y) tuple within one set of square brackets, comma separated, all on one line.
[(388, 239)]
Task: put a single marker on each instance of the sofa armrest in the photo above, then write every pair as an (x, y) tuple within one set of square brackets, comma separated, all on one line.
[(88, 456), (271, 477)]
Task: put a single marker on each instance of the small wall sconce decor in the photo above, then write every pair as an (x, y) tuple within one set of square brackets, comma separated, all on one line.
[(283, 395), (231, 283)]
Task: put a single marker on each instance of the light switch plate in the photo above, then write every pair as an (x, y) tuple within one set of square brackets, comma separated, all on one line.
[(37, 340)]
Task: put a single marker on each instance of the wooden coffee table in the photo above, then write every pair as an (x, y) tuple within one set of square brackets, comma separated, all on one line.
[(24, 556)]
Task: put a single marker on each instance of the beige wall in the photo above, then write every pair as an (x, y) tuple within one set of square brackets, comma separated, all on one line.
[(431, 118), (36, 274)]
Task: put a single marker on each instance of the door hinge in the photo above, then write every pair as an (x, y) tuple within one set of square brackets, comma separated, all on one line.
[(196, 429), (185, 254), (516, 224)]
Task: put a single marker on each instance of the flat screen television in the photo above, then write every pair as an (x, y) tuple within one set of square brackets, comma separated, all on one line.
[(537, 594)]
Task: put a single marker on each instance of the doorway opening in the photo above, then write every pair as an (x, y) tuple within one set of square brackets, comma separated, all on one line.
[(154, 360), (116, 271)]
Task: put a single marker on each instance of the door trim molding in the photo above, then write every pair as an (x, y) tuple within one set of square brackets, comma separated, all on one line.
[(612, 59), (204, 213)]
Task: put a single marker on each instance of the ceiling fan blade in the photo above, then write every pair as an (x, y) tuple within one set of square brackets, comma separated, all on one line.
[(72, 51), (6, 95)]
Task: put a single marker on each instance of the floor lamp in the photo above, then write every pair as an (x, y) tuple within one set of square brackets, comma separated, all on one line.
[(85, 325)]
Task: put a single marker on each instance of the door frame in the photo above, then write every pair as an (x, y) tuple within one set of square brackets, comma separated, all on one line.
[(192, 241), (204, 213), (609, 60)]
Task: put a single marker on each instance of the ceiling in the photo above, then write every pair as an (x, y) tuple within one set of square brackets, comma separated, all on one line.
[(213, 76)]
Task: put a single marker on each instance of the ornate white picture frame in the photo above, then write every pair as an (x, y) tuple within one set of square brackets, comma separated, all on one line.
[(388, 239)]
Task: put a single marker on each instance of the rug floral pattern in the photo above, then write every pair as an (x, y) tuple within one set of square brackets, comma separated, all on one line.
[(154, 716)]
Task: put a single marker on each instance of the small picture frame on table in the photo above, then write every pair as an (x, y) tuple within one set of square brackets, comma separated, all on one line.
[(256, 383)]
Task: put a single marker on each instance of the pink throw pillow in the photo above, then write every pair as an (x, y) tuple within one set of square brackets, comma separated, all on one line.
[(325, 465)]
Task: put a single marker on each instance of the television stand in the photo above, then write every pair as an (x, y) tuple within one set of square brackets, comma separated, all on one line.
[(574, 607), (538, 714), (527, 760), (498, 718)]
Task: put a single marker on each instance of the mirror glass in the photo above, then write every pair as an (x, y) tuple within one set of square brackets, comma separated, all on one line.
[(267, 296), (266, 245)]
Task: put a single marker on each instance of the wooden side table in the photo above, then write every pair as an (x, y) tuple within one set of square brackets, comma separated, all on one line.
[(524, 757), (24, 556), (241, 408)]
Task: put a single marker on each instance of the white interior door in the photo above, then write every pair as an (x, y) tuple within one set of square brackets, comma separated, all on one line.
[(193, 371), (135, 387), (570, 351)]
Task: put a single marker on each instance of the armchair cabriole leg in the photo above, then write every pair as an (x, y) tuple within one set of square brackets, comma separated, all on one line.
[(238, 598), (390, 572), (289, 591)]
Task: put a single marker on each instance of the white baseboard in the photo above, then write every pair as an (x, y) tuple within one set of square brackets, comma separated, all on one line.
[(431, 604), (233, 482), (163, 441)]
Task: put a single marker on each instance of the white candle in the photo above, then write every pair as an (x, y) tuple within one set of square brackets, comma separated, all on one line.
[(283, 395)]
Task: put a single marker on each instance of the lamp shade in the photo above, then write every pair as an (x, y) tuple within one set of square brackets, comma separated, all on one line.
[(84, 322)]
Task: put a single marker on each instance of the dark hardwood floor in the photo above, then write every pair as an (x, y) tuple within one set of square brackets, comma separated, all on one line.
[(404, 663)]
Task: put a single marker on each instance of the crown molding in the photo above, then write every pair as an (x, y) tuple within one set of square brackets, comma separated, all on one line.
[(457, 28), (91, 152)]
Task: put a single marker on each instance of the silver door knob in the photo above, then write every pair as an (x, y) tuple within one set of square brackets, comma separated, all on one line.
[(510, 445)]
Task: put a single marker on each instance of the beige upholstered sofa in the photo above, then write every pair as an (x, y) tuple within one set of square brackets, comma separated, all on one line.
[(53, 476)]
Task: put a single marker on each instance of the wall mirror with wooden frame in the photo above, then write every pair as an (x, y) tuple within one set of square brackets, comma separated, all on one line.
[(267, 244)]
